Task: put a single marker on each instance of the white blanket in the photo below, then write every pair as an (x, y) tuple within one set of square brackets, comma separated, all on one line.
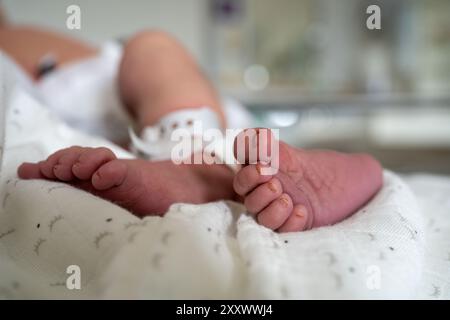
[(392, 248)]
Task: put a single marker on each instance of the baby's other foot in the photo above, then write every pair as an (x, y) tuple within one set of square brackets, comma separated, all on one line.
[(311, 188), (143, 187)]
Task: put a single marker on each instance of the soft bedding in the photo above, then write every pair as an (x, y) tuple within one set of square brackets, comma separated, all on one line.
[(397, 246)]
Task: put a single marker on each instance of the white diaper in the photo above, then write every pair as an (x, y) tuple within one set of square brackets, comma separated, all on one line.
[(84, 94)]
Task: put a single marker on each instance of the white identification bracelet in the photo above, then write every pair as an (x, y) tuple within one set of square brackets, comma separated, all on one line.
[(183, 133)]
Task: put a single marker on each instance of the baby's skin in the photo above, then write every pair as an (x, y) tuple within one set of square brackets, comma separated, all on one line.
[(310, 189)]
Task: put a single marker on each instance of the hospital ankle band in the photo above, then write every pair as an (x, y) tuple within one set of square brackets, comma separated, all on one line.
[(186, 135)]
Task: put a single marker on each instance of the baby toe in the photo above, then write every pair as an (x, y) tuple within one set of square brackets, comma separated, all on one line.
[(276, 213), (248, 178), (63, 168), (29, 171), (109, 175), (253, 145), (299, 220), (47, 165), (90, 160), (46, 169), (263, 195)]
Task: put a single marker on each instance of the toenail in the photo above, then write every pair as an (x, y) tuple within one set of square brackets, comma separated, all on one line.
[(258, 168), (272, 187), (300, 211), (284, 201)]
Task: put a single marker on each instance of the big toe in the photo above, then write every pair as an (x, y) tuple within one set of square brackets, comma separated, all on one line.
[(254, 145), (124, 183), (111, 174)]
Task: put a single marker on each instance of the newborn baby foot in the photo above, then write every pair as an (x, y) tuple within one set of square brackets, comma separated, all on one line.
[(311, 188), (143, 187)]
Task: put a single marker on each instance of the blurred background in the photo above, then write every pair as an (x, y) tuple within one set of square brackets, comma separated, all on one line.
[(309, 67)]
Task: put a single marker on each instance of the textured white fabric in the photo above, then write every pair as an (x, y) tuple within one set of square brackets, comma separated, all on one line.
[(433, 196), (204, 251)]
